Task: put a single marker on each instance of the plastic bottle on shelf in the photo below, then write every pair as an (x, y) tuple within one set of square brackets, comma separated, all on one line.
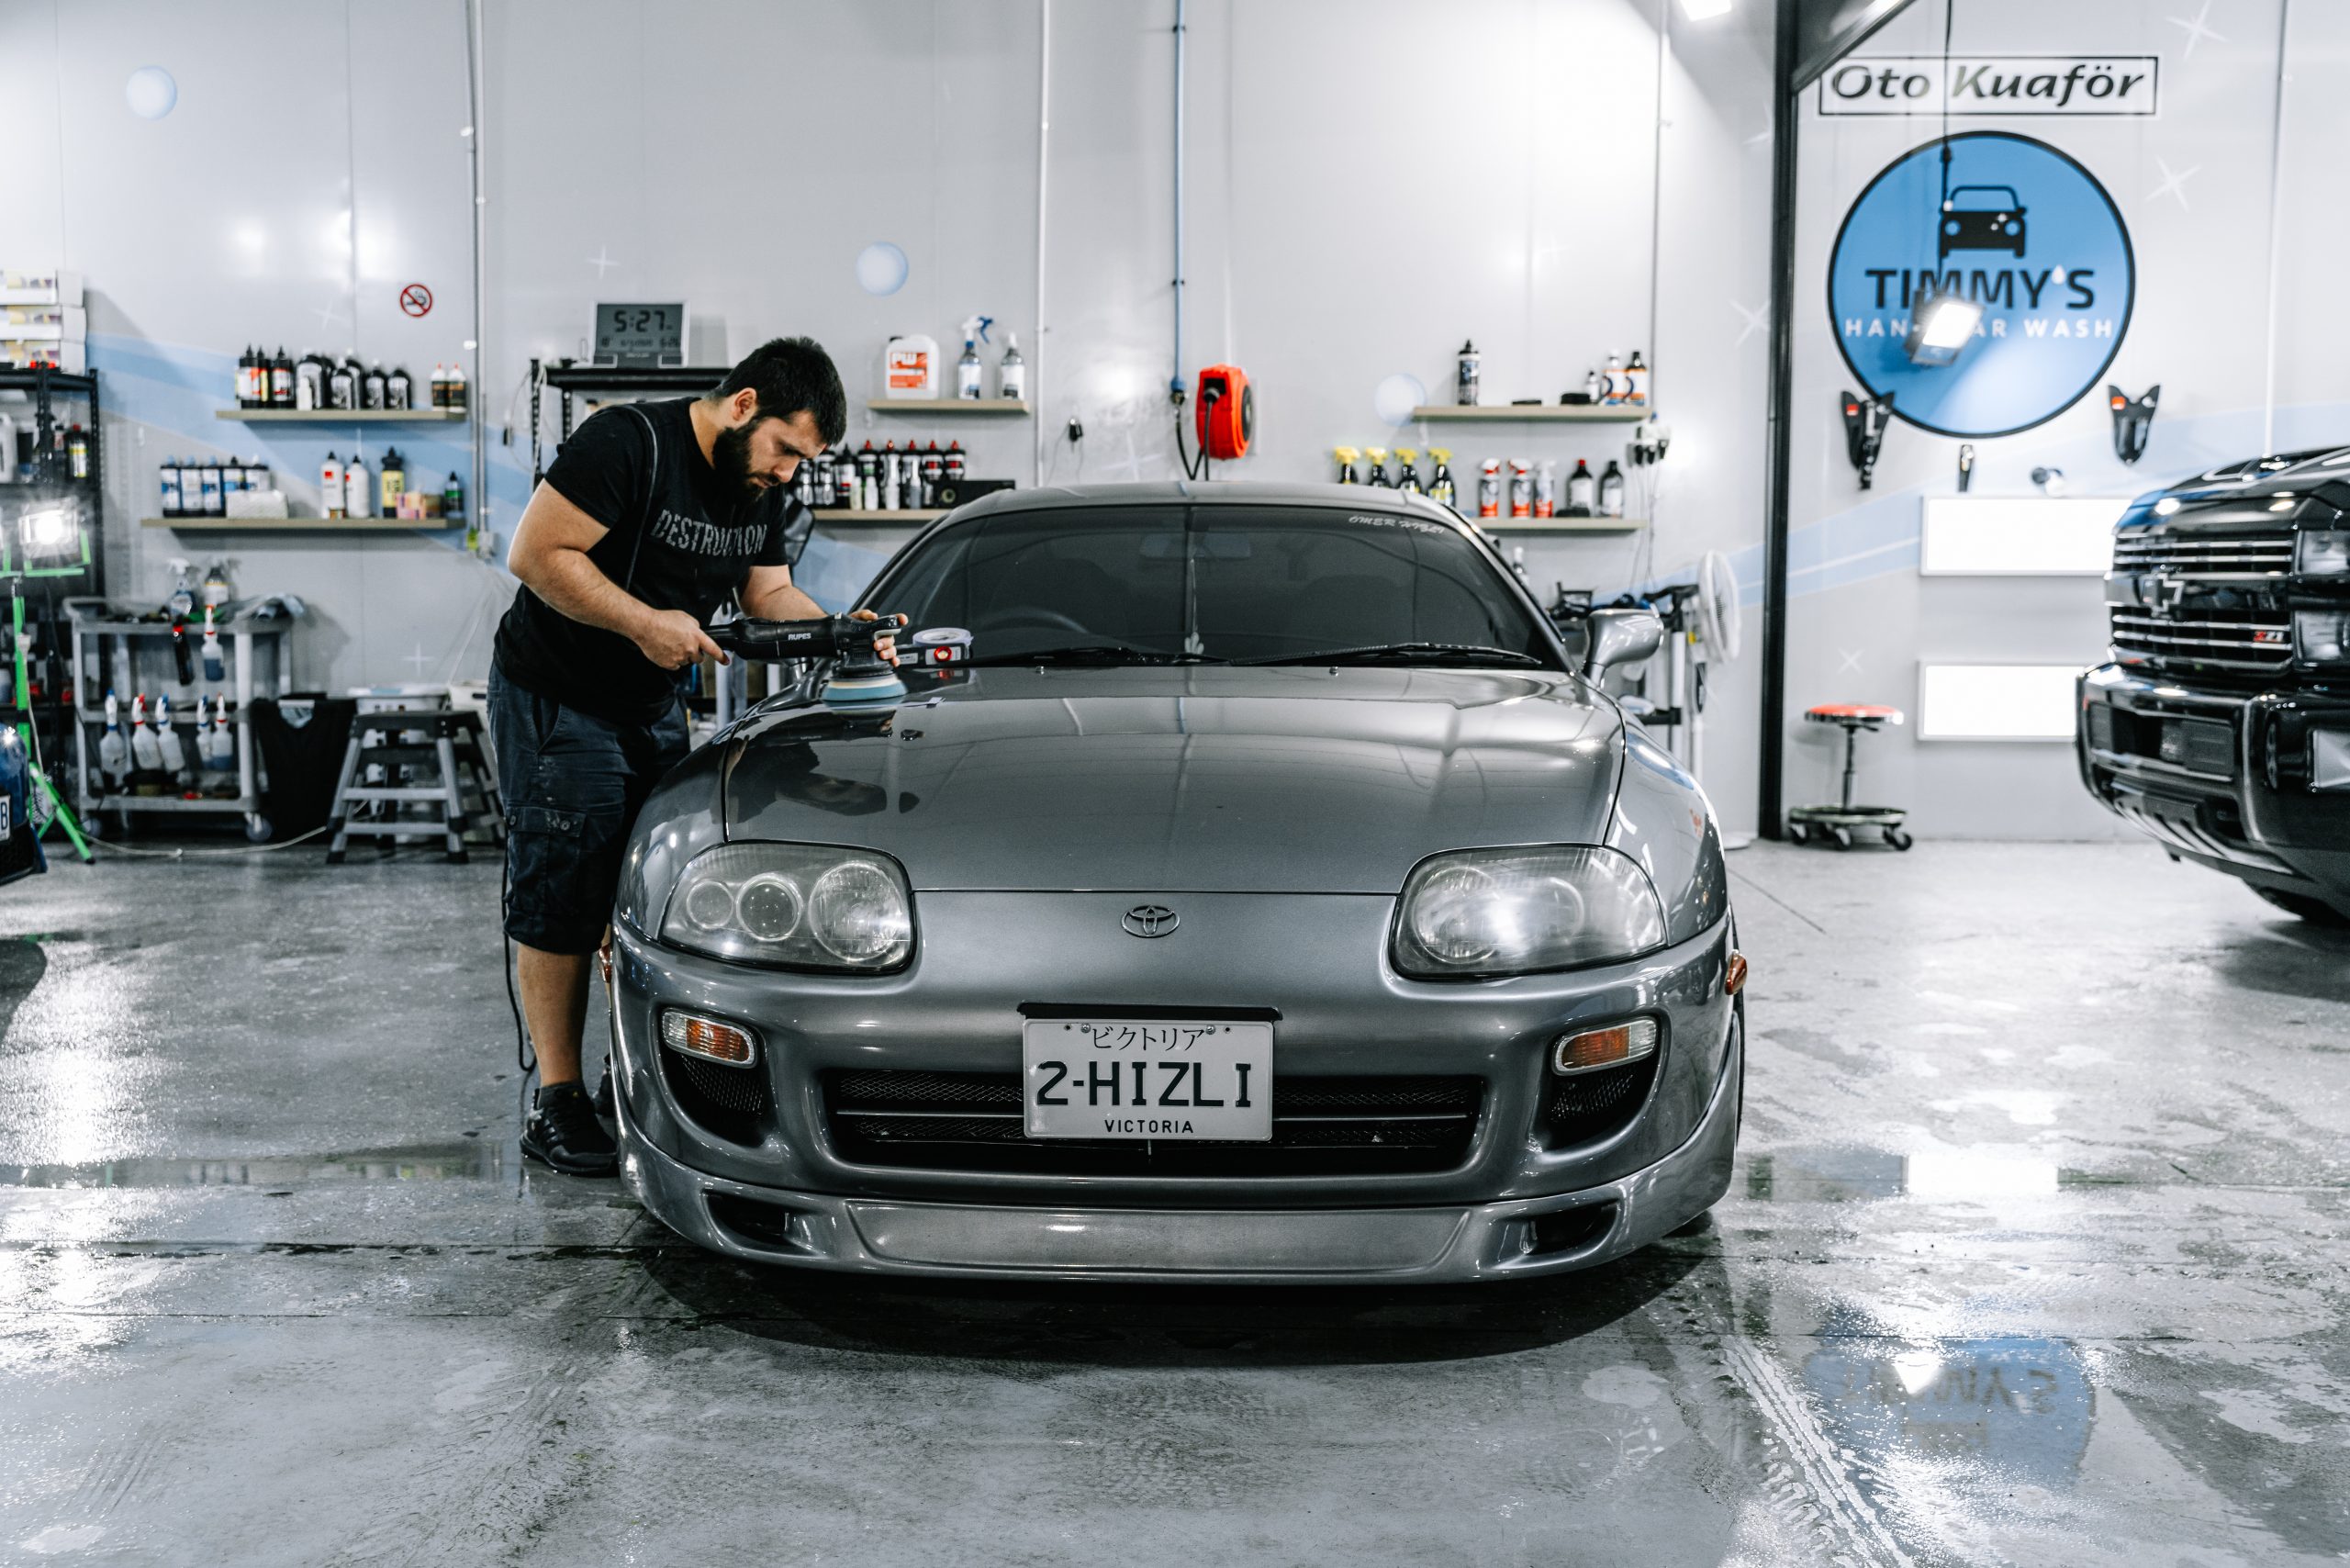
[(1408, 481), (331, 488), (372, 388), (358, 489), (216, 591), (144, 753), (167, 481), (212, 481), (181, 602), (889, 493), (398, 391), (440, 386), (1012, 375), (1467, 376), (1489, 488), (114, 751), (215, 666), (224, 739), (457, 387), (968, 371), (954, 460), (1579, 485), (453, 499), (169, 753), (1375, 467), (1345, 456), (1612, 386), (393, 483), (1521, 488), (844, 479), (933, 473), (281, 379), (1636, 381), (342, 387), (1611, 490), (1546, 489), (1440, 485), (310, 383)]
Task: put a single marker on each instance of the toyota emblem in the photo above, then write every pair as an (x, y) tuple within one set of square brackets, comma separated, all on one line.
[(1150, 920)]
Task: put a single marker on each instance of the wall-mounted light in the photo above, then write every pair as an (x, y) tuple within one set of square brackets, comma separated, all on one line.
[(1939, 327), (1705, 10), (45, 530)]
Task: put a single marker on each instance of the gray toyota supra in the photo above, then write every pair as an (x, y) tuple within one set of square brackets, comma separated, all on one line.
[(1270, 895)]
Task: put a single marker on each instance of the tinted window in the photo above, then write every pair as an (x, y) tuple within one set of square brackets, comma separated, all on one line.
[(1229, 582)]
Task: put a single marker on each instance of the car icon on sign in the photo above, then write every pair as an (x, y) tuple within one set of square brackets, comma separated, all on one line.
[(1981, 218)]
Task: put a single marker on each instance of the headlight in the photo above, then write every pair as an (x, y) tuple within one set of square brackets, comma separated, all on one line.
[(2322, 550), (2322, 636), (1500, 912), (796, 906)]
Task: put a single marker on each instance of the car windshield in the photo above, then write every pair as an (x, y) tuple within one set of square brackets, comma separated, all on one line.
[(1221, 583)]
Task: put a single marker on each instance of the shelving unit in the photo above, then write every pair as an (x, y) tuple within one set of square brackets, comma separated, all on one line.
[(1538, 413), (342, 415), (926, 407), (569, 379), (295, 524), (1559, 524)]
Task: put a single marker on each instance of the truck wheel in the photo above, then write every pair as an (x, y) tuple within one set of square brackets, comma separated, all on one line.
[(2317, 911)]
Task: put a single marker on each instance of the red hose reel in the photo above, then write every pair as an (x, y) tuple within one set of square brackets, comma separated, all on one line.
[(1227, 414)]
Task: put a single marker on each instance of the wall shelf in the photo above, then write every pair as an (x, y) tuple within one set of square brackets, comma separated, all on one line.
[(342, 416), (1538, 413), (299, 525), (1559, 524), (927, 406), (860, 516)]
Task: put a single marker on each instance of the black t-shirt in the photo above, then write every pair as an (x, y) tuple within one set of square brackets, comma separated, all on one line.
[(678, 541)]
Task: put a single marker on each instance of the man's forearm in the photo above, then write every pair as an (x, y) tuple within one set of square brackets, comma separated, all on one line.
[(785, 602), (575, 585)]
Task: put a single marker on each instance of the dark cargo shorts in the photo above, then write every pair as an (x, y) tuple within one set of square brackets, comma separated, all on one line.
[(572, 785)]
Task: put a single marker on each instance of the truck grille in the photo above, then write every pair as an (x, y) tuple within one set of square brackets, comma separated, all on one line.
[(973, 1121), (2268, 554), (2227, 638)]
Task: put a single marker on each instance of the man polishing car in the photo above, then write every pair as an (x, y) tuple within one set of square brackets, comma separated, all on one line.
[(653, 517)]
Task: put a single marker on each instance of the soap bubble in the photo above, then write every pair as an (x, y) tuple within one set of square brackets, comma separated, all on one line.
[(151, 92), (1397, 396), (881, 268)]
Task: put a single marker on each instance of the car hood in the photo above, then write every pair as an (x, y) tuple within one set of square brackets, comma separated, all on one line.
[(1187, 780)]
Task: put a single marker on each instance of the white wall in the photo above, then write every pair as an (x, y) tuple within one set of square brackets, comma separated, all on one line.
[(1861, 618), (1368, 182)]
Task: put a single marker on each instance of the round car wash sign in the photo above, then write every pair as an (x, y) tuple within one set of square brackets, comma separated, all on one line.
[(2025, 232)]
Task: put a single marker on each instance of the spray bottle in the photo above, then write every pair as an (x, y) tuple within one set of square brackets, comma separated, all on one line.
[(1441, 488), (224, 743), (181, 602), (168, 750), (1408, 481), (1546, 489), (967, 369), (114, 752), (1521, 488), (144, 754), (1012, 375), (1376, 474), (1489, 488), (1347, 455), (216, 591)]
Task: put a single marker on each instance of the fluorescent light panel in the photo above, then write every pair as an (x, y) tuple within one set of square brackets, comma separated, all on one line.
[(1996, 702), (1705, 10), (2017, 535)]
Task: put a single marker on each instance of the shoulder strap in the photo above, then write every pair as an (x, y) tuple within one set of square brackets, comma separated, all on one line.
[(645, 519)]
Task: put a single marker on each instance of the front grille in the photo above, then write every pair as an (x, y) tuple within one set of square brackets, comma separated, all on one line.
[(727, 1101), (973, 1121), (1593, 1105), (2267, 554), (2204, 746), (2231, 638)]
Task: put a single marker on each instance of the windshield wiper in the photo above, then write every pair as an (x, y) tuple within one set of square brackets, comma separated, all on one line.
[(1407, 652), (1097, 654)]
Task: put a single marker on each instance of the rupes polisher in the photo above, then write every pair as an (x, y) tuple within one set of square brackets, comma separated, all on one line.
[(859, 673)]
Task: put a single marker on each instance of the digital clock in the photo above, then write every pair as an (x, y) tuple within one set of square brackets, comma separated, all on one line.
[(641, 335)]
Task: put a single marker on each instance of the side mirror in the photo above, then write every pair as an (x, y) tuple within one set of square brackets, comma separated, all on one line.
[(1614, 637)]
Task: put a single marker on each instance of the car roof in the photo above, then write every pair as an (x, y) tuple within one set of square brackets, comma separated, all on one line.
[(1211, 492)]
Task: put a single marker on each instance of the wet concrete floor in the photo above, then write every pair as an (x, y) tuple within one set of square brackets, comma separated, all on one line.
[(2038, 1252)]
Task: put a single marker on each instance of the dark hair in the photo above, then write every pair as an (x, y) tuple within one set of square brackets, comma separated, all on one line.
[(792, 375)]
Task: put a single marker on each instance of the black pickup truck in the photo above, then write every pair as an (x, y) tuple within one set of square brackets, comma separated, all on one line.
[(2222, 724)]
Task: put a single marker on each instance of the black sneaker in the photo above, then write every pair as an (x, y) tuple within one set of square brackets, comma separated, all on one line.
[(603, 1099), (562, 1132)]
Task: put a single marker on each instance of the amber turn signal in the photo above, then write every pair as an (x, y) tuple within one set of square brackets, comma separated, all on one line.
[(1734, 974), (695, 1035), (1596, 1048)]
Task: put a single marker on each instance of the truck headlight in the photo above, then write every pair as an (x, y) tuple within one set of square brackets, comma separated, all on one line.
[(1504, 911), (794, 906), (2322, 636), (2322, 550)]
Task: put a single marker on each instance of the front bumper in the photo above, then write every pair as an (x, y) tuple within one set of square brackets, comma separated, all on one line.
[(1510, 1202), (2245, 784)]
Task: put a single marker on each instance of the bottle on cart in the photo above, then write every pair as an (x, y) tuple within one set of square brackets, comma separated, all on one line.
[(453, 499), (331, 488), (456, 388), (1489, 488), (309, 383), (397, 391), (281, 379), (145, 756), (170, 754), (1580, 485), (1012, 375), (1636, 381), (1611, 490), (1546, 489), (215, 666), (224, 739), (358, 490), (1440, 485), (114, 751), (180, 603), (372, 388), (1407, 481), (1521, 488), (216, 591)]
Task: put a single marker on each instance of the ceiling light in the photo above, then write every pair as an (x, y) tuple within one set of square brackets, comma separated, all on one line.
[(1705, 10), (1939, 327)]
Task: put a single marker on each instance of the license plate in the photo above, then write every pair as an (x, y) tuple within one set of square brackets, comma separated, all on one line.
[(1146, 1078)]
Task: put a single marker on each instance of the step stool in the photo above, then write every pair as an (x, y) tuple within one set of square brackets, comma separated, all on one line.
[(1834, 825), (448, 739)]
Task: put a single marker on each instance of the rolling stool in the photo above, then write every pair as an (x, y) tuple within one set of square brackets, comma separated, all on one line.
[(1834, 825)]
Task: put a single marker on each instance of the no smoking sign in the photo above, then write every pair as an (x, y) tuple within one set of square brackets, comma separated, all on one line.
[(415, 299)]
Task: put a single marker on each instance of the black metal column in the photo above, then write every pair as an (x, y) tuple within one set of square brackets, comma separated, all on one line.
[(1786, 117)]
